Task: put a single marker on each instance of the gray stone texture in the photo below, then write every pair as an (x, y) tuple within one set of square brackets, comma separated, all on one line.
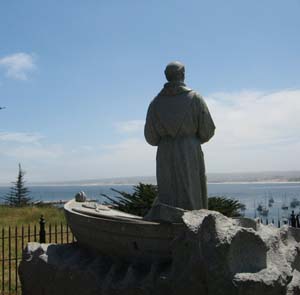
[(178, 122), (213, 255)]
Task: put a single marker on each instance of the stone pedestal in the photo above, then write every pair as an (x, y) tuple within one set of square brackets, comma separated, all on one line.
[(214, 255)]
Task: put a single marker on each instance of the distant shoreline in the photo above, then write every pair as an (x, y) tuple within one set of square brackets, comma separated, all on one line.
[(254, 182), (135, 183)]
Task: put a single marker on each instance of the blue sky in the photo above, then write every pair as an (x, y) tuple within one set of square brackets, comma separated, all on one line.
[(77, 77)]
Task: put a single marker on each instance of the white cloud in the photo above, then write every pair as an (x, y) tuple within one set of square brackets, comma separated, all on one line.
[(248, 119), (130, 157), (52, 162), (18, 66), (255, 131), (22, 146), (20, 137), (42, 153), (131, 126)]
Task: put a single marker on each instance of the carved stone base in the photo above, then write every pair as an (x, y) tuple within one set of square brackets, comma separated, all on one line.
[(215, 255)]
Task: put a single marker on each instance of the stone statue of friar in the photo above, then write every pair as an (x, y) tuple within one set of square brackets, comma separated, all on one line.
[(178, 122)]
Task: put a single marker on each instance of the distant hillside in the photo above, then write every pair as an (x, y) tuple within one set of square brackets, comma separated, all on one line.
[(102, 181), (272, 176)]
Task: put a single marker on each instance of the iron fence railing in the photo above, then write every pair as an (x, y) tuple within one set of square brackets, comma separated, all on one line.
[(14, 239)]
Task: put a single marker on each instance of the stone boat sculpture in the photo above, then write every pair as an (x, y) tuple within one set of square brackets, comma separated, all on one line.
[(118, 234), (211, 255)]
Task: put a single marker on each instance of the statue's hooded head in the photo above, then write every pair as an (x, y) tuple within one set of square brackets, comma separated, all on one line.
[(175, 72)]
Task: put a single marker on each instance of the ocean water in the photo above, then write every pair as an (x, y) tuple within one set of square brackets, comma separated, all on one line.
[(253, 194), (250, 194)]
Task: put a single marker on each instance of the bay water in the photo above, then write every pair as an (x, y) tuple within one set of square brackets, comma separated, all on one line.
[(250, 194)]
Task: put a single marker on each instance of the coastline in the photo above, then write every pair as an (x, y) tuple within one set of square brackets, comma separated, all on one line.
[(135, 183), (255, 182)]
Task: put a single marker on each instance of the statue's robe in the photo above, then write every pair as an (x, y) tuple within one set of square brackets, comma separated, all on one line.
[(178, 122)]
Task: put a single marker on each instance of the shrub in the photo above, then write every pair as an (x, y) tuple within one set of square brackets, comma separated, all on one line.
[(140, 201), (137, 203)]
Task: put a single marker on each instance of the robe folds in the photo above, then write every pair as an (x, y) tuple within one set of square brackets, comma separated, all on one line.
[(178, 122)]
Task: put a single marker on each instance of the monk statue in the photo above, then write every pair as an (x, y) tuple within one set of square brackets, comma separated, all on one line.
[(178, 122)]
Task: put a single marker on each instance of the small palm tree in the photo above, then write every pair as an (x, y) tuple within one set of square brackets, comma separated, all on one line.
[(141, 200), (138, 203), (226, 206)]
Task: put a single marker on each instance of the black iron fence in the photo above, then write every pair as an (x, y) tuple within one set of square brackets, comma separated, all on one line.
[(14, 239), (293, 220)]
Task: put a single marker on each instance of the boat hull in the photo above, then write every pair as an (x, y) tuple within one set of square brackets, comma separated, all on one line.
[(129, 239)]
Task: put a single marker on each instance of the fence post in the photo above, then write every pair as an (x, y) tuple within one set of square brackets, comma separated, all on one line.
[(42, 230)]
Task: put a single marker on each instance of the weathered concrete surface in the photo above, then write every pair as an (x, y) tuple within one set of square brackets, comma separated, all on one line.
[(178, 122), (214, 255)]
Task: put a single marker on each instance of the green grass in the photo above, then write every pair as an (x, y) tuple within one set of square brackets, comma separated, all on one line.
[(18, 216), (28, 217)]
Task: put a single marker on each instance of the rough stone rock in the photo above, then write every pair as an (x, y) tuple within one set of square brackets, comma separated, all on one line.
[(294, 285), (164, 213), (214, 255)]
